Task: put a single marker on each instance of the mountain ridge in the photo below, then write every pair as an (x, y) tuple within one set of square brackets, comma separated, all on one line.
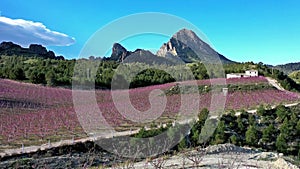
[(121, 54), (10, 49), (183, 47), (288, 67)]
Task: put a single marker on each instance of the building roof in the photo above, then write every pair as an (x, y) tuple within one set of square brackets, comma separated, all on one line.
[(252, 70)]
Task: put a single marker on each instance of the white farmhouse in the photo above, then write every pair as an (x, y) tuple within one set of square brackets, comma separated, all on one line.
[(251, 73), (248, 73)]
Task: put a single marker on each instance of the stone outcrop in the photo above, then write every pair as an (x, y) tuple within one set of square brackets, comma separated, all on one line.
[(119, 53), (9, 45), (34, 50)]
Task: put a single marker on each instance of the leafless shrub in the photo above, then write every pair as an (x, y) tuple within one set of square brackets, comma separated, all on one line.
[(126, 150), (129, 164), (196, 158), (235, 162), (183, 164), (90, 158), (158, 163)]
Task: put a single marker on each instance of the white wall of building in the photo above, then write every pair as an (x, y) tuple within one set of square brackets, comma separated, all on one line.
[(228, 76), (248, 73), (252, 73)]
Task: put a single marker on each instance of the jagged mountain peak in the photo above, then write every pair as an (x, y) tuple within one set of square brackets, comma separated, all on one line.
[(185, 33), (119, 53), (188, 47), (184, 47), (118, 46)]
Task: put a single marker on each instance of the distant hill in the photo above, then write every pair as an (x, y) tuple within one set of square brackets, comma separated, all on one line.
[(289, 67), (34, 50), (183, 47)]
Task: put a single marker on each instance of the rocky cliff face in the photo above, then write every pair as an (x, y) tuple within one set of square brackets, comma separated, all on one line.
[(38, 49), (119, 53), (9, 45), (188, 47), (183, 47), (34, 50)]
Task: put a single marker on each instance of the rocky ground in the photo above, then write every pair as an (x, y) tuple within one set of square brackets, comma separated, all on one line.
[(89, 155), (220, 156)]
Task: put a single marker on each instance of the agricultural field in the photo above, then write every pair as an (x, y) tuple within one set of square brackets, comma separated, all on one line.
[(33, 114)]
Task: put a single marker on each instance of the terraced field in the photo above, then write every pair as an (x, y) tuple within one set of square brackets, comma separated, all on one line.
[(33, 114)]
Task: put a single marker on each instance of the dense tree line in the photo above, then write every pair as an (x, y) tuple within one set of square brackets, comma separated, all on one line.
[(37, 70), (269, 129), (53, 72), (102, 73)]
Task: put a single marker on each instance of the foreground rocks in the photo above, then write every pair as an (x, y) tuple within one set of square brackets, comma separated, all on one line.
[(221, 156), (84, 155)]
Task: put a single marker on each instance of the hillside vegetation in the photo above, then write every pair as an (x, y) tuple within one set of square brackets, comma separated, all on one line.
[(295, 76), (268, 129), (32, 114), (289, 67), (53, 72)]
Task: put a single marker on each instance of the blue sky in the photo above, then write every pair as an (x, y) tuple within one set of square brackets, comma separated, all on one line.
[(242, 30)]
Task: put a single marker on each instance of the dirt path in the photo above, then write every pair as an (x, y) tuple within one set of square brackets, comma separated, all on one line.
[(275, 83)]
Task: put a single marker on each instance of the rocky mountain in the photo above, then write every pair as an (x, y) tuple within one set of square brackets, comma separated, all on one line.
[(121, 54), (187, 46), (183, 47), (34, 50)]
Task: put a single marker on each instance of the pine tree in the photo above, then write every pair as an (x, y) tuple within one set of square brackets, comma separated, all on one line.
[(182, 144), (281, 112), (285, 128), (220, 133), (234, 140), (281, 143), (251, 120), (202, 116), (269, 134), (241, 125), (298, 128), (50, 78), (252, 136), (261, 111)]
